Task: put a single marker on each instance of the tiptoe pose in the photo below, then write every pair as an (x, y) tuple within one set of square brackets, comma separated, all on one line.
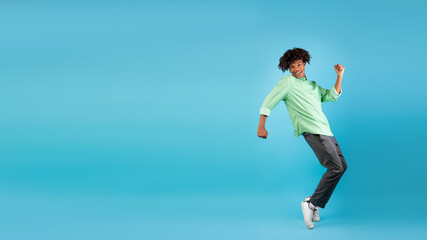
[(303, 100)]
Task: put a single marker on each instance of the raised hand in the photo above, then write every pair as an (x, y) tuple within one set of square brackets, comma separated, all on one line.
[(339, 69)]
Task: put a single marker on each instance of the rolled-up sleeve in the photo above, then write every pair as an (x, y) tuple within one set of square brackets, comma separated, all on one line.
[(329, 95), (279, 93)]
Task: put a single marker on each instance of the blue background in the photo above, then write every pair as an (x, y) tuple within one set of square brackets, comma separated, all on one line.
[(137, 120)]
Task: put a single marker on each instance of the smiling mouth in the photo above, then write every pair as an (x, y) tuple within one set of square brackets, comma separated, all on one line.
[(299, 73)]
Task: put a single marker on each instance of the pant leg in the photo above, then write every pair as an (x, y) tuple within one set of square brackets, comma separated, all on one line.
[(330, 156), (323, 199), (343, 162)]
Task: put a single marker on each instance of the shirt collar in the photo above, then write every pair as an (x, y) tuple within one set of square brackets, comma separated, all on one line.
[(303, 78)]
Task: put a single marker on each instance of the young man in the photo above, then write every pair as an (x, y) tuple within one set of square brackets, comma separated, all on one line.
[(303, 100)]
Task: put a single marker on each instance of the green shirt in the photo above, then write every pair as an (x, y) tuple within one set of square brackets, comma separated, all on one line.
[(303, 100)]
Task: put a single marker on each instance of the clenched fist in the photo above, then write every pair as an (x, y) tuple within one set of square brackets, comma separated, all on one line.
[(339, 69), (262, 133)]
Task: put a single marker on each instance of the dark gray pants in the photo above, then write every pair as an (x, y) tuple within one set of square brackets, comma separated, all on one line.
[(330, 156)]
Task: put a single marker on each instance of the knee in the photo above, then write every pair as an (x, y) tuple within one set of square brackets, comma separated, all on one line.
[(339, 170), (344, 167)]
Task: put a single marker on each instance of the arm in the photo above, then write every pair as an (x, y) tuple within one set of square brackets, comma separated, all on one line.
[(279, 93), (328, 95), (262, 132), (339, 69), (338, 84)]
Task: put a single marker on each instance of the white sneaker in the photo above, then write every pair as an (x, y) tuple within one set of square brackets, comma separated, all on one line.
[(316, 217), (308, 215)]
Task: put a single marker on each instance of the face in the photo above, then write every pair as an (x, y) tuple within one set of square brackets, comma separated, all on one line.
[(297, 68)]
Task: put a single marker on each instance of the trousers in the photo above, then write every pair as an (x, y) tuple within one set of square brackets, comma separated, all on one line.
[(329, 154)]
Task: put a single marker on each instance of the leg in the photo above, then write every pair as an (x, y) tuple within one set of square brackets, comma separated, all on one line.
[(330, 156)]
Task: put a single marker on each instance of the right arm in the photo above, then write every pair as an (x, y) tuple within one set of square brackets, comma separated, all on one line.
[(279, 93), (262, 132)]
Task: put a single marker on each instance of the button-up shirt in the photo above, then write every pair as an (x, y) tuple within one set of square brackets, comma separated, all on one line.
[(303, 100)]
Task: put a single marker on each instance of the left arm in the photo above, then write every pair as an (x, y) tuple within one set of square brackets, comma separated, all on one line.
[(339, 69), (328, 95)]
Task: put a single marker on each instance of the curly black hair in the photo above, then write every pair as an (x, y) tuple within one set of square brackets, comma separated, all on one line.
[(292, 55)]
